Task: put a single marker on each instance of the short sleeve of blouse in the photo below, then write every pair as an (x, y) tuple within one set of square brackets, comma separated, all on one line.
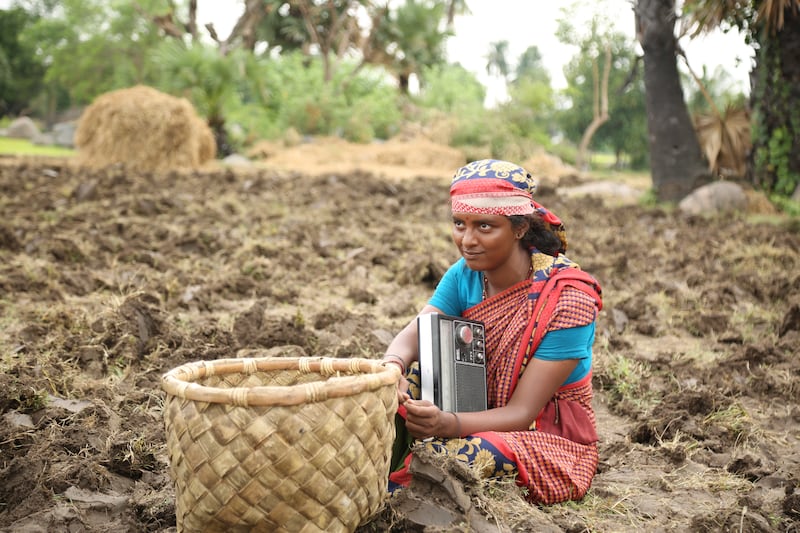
[(575, 308)]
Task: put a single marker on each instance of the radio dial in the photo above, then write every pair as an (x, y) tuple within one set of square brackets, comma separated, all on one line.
[(465, 334)]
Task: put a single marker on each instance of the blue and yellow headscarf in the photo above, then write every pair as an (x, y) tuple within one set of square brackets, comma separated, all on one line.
[(495, 187)]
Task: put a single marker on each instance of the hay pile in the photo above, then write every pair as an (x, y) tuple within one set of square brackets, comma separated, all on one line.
[(144, 129), (548, 167), (397, 157)]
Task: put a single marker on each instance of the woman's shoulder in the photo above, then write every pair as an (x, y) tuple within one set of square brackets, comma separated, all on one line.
[(462, 271)]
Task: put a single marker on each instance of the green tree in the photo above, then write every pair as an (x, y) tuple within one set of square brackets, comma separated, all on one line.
[(531, 107), (604, 100), (497, 60), (455, 7), (718, 86), (91, 47), (410, 40), (21, 71), (205, 77), (451, 88), (530, 66), (773, 27)]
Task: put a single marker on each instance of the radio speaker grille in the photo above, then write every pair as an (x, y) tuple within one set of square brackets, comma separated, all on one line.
[(470, 388)]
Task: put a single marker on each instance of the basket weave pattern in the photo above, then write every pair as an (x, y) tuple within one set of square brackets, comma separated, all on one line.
[(279, 444)]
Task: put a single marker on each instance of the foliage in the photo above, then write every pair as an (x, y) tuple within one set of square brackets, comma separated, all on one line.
[(788, 206), (530, 66), (625, 132), (198, 72), (21, 72), (718, 85), (772, 27), (513, 130), (293, 94), (749, 16), (496, 61), (530, 112), (776, 119), (450, 88), (409, 40), (92, 47)]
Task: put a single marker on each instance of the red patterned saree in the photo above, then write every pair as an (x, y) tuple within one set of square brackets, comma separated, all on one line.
[(557, 458)]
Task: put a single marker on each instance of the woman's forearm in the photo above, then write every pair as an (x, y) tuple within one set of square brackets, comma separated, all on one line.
[(506, 418), (405, 345)]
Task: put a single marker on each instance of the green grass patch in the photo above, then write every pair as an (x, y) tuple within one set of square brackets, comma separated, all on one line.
[(12, 146)]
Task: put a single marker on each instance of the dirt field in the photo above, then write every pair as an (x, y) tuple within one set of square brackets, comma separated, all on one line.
[(109, 279)]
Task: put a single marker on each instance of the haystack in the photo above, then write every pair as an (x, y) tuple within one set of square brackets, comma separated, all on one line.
[(144, 129), (547, 167)]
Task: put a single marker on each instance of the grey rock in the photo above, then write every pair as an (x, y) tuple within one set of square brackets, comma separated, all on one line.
[(23, 128), (714, 198)]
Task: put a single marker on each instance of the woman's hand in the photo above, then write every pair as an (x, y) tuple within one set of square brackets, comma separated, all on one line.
[(402, 390), (424, 419)]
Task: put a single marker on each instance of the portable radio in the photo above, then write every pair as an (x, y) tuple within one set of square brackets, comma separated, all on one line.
[(452, 361)]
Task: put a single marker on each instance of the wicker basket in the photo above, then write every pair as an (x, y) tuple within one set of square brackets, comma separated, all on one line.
[(279, 444)]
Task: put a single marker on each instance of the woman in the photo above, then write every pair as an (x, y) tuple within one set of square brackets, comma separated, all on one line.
[(539, 425)]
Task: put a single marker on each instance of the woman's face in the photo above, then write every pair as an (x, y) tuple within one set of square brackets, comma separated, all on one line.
[(486, 242)]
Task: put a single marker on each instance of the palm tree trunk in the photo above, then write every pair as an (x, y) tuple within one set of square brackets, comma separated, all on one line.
[(676, 160), (776, 115)]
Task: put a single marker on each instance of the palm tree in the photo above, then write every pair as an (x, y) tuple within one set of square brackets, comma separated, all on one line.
[(496, 60), (530, 66), (204, 76), (677, 164), (408, 39), (774, 27), (456, 7)]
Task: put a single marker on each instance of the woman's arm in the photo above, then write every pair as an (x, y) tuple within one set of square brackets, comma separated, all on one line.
[(404, 350), (537, 385), (406, 344)]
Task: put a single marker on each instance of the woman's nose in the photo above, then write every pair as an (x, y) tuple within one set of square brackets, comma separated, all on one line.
[(468, 238)]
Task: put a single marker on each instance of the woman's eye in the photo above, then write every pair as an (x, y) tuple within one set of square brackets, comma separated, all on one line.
[(486, 226)]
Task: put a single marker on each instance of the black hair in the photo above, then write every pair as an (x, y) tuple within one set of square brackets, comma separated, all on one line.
[(538, 236)]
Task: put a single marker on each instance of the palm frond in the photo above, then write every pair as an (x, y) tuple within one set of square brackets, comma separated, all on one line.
[(725, 140)]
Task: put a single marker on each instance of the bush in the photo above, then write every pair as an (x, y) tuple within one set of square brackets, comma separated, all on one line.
[(293, 93)]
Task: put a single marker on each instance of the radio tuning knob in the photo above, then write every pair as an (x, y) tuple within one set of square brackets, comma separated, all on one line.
[(465, 334)]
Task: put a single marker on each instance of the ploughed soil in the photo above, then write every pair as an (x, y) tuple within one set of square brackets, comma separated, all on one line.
[(109, 278)]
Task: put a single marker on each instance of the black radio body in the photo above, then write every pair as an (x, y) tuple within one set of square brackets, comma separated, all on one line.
[(452, 361)]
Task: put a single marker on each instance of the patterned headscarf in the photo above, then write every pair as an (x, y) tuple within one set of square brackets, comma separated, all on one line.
[(494, 187)]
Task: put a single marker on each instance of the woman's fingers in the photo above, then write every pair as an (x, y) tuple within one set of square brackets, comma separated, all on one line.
[(422, 418)]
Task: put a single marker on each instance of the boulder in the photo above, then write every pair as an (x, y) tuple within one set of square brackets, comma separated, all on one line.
[(64, 134), (23, 128), (716, 197)]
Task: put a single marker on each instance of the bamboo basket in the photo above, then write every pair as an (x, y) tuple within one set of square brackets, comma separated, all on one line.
[(279, 444)]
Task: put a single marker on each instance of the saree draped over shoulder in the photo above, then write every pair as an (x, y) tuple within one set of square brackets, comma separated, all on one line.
[(557, 459)]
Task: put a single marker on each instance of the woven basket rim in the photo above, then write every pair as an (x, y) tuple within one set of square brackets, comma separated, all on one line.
[(361, 375)]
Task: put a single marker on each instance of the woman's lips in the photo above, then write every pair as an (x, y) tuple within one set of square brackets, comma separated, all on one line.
[(470, 255)]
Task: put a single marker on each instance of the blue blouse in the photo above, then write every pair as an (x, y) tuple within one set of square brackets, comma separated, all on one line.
[(461, 288)]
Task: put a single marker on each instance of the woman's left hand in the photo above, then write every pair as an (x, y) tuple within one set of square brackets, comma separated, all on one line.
[(424, 419)]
